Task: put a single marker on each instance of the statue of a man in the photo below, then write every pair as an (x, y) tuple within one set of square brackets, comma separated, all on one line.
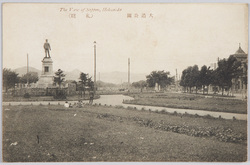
[(47, 48)]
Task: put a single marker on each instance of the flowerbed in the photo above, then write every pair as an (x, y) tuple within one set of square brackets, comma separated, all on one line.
[(220, 133)]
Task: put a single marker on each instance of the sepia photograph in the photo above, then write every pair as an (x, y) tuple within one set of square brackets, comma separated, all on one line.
[(124, 82)]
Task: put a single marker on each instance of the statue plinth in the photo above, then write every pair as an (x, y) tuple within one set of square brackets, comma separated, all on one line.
[(47, 66), (47, 75)]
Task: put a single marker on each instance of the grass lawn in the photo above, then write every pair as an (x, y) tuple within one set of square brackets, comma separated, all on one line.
[(98, 133), (190, 101), (46, 98)]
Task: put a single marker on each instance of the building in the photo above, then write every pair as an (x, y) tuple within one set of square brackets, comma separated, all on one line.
[(239, 85)]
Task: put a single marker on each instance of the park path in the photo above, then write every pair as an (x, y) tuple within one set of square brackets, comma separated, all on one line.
[(117, 100)]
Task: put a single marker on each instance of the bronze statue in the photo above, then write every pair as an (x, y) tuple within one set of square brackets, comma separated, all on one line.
[(47, 48)]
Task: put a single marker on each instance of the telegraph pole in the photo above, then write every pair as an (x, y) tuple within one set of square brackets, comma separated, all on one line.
[(176, 80), (176, 75), (27, 63), (27, 70), (128, 73), (94, 66)]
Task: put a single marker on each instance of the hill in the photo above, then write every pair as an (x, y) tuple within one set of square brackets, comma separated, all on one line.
[(108, 77), (23, 70), (73, 75), (104, 84), (120, 77)]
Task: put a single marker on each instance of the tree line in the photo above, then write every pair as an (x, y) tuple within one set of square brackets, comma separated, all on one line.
[(222, 76), (11, 78), (192, 78), (162, 78)]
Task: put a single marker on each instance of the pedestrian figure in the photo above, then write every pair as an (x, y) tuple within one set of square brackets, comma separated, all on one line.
[(66, 104), (91, 97), (47, 48), (79, 104)]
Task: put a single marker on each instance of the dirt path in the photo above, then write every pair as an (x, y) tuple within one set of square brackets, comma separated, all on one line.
[(117, 100)]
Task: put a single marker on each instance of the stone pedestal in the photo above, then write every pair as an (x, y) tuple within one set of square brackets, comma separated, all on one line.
[(47, 66), (47, 75)]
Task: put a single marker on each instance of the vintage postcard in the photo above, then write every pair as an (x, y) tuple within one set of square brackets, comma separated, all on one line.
[(153, 82)]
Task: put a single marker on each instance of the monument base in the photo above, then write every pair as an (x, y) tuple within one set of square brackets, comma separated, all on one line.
[(45, 81)]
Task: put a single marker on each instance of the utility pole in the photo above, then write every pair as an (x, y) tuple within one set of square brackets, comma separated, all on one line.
[(128, 73), (176, 80), (94, 66), (27, 70), (176, 75)]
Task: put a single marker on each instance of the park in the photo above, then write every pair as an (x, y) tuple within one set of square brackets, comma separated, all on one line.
[(162, 84), (196, 118), (53, 133)]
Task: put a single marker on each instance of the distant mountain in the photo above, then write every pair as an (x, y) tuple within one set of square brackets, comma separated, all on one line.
[(108, 77), (104, 84), (23, 70), (73, 75), (120, 77)]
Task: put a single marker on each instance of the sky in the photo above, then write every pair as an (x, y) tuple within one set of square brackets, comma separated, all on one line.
[(154, 36)]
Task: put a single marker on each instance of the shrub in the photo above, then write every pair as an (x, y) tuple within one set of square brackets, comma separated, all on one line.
[(60, 94), (208, 116), (129, 107), (196, 115), (26, 95), (119, 106), (164, 111)]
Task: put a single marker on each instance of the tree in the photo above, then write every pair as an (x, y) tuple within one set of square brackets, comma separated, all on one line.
[(10, 78), (160, 77), (90, 83), (59, 77), (32, 77), (83, 80), (227, 70), (186, 79), (195, 73), (190, 78), (205, 77), (139, 84), (183, 81)]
